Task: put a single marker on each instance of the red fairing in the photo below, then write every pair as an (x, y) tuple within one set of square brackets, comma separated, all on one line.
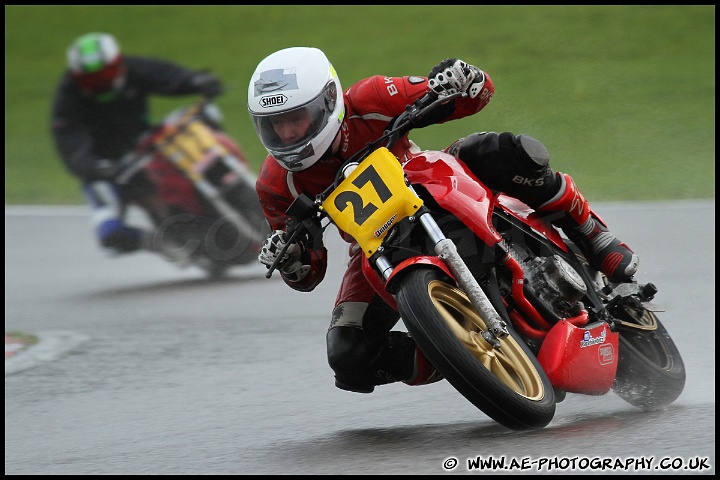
[(172, 187), (459, 191), (580, 359), (456, 189)]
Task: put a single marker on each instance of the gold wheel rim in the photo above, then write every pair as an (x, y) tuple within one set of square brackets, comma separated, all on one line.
[(508, 363), (644, 320)]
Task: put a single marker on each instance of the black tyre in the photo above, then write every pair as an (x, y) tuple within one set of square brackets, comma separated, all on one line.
[(225, 242), (651, 372), (243, 198), (506, 383)]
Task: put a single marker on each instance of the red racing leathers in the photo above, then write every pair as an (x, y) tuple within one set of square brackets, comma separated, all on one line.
[(369, 106)]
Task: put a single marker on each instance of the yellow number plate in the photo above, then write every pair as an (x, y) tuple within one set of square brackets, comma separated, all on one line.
[(372, 199)]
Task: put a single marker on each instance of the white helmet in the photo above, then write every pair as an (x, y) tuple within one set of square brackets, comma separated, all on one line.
[(291, 80), (96, 65)]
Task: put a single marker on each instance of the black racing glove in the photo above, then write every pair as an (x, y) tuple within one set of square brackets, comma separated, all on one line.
[(207, 84), (291, 264), (452, 75)]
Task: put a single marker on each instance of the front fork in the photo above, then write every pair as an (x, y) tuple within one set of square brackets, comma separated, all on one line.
[(447, 252)]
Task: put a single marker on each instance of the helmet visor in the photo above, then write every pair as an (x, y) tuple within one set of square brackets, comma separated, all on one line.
[(288, 135), (101, 81)]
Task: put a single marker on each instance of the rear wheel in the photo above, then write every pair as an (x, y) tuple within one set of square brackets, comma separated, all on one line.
[(651, 372), (506, 383)]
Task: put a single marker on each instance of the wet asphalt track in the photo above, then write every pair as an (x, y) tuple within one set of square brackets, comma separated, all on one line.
[(143, 368)]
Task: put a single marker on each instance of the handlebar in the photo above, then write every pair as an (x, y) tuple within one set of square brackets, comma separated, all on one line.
[(404, 122), (400, 126)]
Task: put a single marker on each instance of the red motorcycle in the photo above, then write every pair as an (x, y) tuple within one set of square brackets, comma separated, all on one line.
[(205, 209), (505, 307)]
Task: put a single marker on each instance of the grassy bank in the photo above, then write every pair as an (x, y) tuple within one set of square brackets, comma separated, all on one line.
[(622, 96)]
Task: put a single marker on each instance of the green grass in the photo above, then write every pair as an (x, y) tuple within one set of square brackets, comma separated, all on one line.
[(26, 339), (622, 96)]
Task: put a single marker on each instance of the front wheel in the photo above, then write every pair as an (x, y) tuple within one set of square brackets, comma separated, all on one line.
[(506, 383)]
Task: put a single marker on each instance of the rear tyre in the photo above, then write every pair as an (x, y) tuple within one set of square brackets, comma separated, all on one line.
[(651, 372)]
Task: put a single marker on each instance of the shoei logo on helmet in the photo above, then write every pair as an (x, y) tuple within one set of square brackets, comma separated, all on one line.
[(273, 100)]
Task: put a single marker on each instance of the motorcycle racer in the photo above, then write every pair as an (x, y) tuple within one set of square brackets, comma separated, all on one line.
[(100, 110), (309, 126)]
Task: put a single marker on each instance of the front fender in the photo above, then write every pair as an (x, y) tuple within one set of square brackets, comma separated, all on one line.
[(387, 289), (408, 264)]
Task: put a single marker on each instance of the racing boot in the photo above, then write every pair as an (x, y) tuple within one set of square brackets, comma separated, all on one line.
[(117, 239), (585, 228), (423, 371), (408, 363), (360, 365)]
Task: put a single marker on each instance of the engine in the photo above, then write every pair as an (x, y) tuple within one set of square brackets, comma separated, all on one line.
[(555, 283)]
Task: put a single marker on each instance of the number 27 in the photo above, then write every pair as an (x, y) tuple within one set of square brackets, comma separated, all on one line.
[(362, 212)]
